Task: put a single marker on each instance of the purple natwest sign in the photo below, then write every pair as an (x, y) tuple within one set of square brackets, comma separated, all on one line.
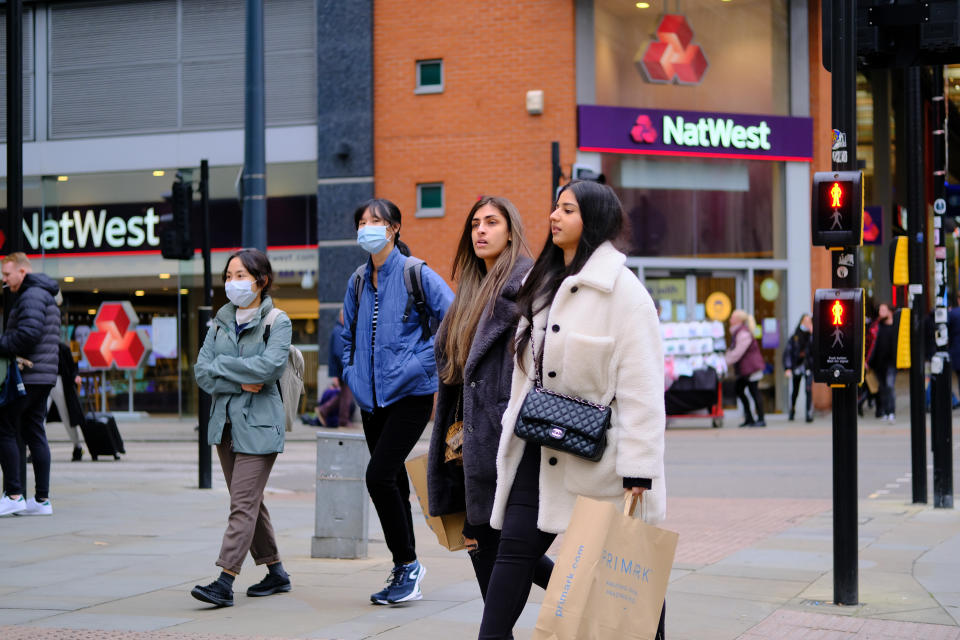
[(694, 133)]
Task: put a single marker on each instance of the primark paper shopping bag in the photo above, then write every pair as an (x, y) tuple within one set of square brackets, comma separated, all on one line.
[(610, 578), (447, 528)]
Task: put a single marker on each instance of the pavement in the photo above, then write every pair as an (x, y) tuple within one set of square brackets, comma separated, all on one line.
[(129, 538)]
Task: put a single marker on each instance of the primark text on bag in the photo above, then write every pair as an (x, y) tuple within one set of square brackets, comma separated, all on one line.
[(610, 578)]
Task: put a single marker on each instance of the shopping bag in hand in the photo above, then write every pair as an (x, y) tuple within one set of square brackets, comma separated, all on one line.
[(610, 578), (447, 528)]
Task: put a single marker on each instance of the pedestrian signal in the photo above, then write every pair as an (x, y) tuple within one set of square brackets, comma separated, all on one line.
[(837, 211), (176, 242), (838, 336)]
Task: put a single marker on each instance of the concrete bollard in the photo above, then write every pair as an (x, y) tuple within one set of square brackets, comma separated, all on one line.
[(342, 506)]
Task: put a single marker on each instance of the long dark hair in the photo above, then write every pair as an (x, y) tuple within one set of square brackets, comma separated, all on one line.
[(257, 264), (602, 216), (382, 209), (477, 289)]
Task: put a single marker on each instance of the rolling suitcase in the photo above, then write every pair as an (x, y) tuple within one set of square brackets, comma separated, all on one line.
[(101, 435)]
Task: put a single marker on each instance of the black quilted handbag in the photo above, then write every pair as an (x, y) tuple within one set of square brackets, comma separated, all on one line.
[(565, 423)]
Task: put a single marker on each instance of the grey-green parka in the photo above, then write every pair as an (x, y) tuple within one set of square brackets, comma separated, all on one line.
[(226, 361)]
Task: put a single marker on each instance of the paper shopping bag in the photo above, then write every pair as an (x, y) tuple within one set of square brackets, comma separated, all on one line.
[(610, 578), (447, 528)]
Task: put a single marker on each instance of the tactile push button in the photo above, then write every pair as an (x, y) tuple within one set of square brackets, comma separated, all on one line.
[(556, 328), (552, 461), (574, 289), (551, 374)]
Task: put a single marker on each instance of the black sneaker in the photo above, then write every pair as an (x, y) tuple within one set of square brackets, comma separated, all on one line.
[(215, 593), (396, 575), (270, 585), (77, 454)]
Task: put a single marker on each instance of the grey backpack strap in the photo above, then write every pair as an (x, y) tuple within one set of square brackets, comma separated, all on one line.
[(268, 322)]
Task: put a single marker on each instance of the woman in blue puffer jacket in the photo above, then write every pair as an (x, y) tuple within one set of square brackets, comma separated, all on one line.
[(389, 365)]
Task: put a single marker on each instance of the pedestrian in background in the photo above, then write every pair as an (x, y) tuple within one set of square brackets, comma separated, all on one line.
[(239, 365), (573, 339), (64, 396), (389, 365), (746, 360), (475, 363), (883, 360), (335, 406), (798, 364), (32, 335)]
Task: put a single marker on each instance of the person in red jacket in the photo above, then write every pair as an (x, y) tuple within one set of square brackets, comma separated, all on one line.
[(747, 362)]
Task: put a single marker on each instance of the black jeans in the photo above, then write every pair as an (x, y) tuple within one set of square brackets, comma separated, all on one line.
[(522, 545), (485, 555), (391, 433), (741, 385), (27, 414), (807, 378)]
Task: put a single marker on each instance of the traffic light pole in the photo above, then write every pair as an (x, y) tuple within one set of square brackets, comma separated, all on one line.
[(916, 212), (844, 78), (254, 231), (204, 315), (14, 230), (941, 369)]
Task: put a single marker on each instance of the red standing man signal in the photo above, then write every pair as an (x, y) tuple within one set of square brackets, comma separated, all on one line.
[(837, 310), (836, 192)]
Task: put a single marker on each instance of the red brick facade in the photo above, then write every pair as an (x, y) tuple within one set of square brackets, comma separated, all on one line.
[(476, 136)]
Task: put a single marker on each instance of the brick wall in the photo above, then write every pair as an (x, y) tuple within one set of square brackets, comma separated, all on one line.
[(476, 137), (821, 275)]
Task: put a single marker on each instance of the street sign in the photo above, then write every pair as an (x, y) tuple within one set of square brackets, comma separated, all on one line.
[(837, 216), (838, 336)]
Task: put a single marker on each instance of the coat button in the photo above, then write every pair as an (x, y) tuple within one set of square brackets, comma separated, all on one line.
[(470, 428), (552, 461), (556, 328), (551, 374), (574, 289), (473, 384)]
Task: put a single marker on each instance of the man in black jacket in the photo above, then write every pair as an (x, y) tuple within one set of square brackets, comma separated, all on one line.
[(32, 334)]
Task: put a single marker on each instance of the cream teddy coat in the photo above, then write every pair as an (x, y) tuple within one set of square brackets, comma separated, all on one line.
[(602, 344)]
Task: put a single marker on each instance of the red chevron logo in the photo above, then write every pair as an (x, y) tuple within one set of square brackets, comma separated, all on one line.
[(672, 57)]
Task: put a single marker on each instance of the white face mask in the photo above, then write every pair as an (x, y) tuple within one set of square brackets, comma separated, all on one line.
[(240, 292)]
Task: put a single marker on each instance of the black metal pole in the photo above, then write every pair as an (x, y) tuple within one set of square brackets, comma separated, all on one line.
[(916, 212), (556, 172), (941, 369), (254, 232), (204, 314), (14, 231), (844, 87)]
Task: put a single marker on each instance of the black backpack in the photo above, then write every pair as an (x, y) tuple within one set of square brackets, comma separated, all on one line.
[(413, 281)]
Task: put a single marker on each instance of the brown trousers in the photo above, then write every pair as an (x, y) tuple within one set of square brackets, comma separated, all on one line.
[(248, 528)]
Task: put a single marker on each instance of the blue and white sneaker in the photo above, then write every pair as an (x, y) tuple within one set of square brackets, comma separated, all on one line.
[(406, 585), (380, 597)]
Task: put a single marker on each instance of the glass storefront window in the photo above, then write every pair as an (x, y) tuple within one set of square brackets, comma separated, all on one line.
[(701, 208), (744, 43)]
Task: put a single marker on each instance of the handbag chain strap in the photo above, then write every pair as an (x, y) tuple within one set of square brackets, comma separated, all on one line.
[(538, 368)]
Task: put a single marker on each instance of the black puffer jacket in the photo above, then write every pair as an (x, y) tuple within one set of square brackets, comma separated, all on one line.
[(33, 330)]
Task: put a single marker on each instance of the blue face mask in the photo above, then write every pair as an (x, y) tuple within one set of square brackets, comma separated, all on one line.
[(240, 292), (372, 238)]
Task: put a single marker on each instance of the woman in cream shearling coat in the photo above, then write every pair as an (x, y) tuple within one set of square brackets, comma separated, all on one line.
[(599, 334)]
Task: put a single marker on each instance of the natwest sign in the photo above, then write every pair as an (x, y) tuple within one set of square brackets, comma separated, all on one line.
[(694, 133), (88, 230)]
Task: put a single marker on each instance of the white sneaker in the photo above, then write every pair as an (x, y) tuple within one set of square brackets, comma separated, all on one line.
[(9, 506), (35, 508)]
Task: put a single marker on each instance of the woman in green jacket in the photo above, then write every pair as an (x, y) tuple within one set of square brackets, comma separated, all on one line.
[(239, 365)]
